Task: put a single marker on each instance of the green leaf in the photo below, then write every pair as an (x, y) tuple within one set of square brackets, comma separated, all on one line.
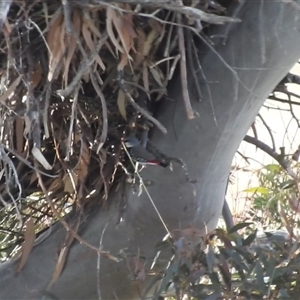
[(214, 277), (214, 296), (287, 184), (239, 226), (210, 259), (259, 190), (260, 276), (151, 285), (237, 260), (171, 271), (283, 294), (269, 263), (273, 167), (279, 272), (250, 238), (160, 246)]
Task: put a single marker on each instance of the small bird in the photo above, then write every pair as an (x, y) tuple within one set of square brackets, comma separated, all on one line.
[(141, 155)]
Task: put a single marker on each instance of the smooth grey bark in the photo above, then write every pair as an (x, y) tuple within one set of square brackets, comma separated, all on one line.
[(261, 50)]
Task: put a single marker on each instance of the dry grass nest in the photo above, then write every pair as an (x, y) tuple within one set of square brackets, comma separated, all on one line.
[(76, 77)]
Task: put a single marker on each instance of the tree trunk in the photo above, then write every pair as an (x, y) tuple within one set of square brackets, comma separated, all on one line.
[(261, 50)]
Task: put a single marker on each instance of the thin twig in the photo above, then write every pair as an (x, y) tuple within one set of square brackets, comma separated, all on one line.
[(140, 109), (191, 63), (182, 9), (98, 262), (27, 163), (201, 15), (12, 168), (151, 16), (83, 68), (104, 112), (292, 112), (184, 81), (235, 74), (168, 40), (67, 16), (146, 191), (66, 225), (160, 90), (269, 130), (285, 164), (196, 57), (71, 127)]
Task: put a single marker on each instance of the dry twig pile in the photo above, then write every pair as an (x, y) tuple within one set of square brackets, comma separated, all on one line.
[(76, 77)]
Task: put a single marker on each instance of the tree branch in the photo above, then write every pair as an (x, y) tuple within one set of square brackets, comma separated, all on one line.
[(284, 163)]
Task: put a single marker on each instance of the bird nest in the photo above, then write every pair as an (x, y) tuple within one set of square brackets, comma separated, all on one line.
[(76, 77)]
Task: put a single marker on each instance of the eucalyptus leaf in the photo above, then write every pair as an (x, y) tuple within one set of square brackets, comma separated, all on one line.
[(239, 226)]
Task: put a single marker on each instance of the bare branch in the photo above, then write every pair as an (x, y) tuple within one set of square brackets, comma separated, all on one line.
[(284, 163), (140, 109), (269, 130)]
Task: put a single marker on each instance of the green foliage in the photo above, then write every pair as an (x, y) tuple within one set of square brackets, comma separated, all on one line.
[(223, 266), (275, 191), (243, 263)]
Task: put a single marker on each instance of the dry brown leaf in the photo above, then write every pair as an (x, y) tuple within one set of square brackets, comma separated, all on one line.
[(151, 37), (72, 43), (56, 183), (89, 22), (36, 76), (86, 77), (156, 26), (33, 178), (82, 168), (126, 32), (90, 43), (137, 268), (70, 182), (19, 129), (128, 22), (141, 39), (192, 234), (93, 28), (7, 28), (59, 265), (122, 104), (10, 90), (56, 45), (158, 75), (110, 14), (123, 61), (62, 257), (28, 243)]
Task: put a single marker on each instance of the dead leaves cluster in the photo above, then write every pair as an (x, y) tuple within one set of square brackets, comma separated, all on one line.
[(57, 60)]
